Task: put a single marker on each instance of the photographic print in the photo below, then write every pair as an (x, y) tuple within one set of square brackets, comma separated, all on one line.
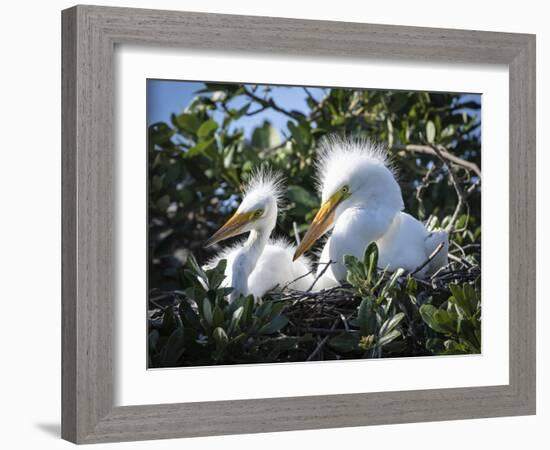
[(311, 223)]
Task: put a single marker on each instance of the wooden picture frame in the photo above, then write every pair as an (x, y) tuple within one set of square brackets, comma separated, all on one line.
[(90, 34)]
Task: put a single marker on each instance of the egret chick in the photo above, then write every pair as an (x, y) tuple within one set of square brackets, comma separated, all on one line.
[(362, 203), (259, 264)]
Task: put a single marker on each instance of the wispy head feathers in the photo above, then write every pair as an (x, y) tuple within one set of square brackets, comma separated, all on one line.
[(265, 181), (337, 155)]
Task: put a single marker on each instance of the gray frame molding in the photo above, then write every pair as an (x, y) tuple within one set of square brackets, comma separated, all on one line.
[(90, 34)]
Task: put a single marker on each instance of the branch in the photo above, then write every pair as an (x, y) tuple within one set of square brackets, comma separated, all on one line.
[(270, 104), (458, 190), (323, 342), (327, 265), (443, 153), (276, 147), (296, 232), (432, 256)]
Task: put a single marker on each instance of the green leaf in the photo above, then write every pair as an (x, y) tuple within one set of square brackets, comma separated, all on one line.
[(196, 269), (355, 271), (366, 317), (265, 136), (216, 275), (235, 319), (427, 313), (248, 309), (237, 114), (302, 197), (438, 319), (187, 122), (301, 134), (264, 310), (454, 348), (344, 343), (370, 260), (220, 337), (207, 311), (388, 337), (200, 148), (189, 316), (434, 344), (430, 131), (163, 202), (174, 347), (275, 325), (411, 286), (207, 129), (160, 133), (391, 282), (153, 339), (459, 298), (391, 323), (169, 322), (217, 317)]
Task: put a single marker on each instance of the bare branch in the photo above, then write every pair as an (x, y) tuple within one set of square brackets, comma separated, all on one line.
[(429, 150), (323, 341), (296, 232), (459, 193), (320, 274), (432, 256), (269, 103)]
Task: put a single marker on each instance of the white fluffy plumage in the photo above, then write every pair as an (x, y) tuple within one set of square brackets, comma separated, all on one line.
[(273, 270), (258, 264), (371, 210)]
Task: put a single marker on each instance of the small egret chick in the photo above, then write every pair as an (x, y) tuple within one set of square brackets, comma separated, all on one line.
[(259, 264), (362, 203)]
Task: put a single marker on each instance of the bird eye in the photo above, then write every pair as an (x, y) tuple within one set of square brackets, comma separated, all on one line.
[(345, 189), (258, 213)]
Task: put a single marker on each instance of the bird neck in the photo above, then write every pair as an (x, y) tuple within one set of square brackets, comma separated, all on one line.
[(255, 244), (354, 230), (246, 261)]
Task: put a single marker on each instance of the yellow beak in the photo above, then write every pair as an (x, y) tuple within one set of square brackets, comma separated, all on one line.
[(321, 223), (232, 227)]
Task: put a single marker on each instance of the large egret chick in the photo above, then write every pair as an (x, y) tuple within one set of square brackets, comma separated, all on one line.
[(362, 203), (259, 264)]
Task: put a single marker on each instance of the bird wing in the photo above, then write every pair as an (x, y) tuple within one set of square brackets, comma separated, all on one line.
[(275, 268), (408, 244)]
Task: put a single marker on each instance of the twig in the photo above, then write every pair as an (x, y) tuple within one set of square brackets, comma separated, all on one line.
[(458, 190), (257, 111), (296, 279), (429, 150), (276, 147), (432, 256), (344, 321), (296, 233), (460, 260), (320, 274), (321, 331), (309, 94), (440, 270), (322, 343), (270, 104)]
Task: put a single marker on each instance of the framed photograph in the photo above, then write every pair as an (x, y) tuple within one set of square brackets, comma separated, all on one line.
[(265, 229)]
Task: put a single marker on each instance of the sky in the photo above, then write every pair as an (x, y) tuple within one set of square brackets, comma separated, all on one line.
[(165, 97)]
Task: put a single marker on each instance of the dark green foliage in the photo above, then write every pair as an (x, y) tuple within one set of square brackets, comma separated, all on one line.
[(458, 321), (382, 313), (200, 327)]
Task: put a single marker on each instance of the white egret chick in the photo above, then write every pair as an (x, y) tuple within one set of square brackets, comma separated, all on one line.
[(259, 264), (362, 203)]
